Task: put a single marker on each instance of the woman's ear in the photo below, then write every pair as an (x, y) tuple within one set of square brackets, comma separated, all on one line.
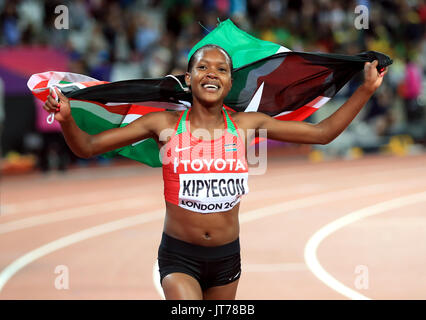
[(188, 79)]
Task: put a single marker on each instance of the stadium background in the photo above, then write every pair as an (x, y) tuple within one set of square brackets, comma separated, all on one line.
[(118, 40)]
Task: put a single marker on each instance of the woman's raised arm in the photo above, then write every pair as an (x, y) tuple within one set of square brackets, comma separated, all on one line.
[(85, 145), (328, 129)]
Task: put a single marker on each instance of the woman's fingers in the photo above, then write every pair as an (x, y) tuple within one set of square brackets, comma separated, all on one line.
[(61, 108), (372, 72), (383, 71), (51, 105), (51, 100), (60, 95), (368, 65), (371, 65), (373, 77)]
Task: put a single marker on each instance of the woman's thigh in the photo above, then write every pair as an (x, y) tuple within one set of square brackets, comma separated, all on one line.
[(225, 292), (181, 286)]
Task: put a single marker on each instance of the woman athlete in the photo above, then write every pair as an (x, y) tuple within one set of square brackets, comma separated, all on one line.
[(199, 254)]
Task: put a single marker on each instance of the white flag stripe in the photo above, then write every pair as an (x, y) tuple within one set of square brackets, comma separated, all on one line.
[(131, 117), (55, 77), (321, 102), (154, 104), (140, 141), (283, 113), (97, 111), (255, 101), (317, 105), (282, 49)]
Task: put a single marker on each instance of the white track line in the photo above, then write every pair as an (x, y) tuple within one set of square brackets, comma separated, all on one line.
[(63, 242), (313, 243), (307, 202), (51, 203), (105, 207), (377, 171), (275, 267), (324, 198), (60, 243), (77, 212)]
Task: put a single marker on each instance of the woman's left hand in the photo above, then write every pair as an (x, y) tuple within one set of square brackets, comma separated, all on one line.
[(372, 78)]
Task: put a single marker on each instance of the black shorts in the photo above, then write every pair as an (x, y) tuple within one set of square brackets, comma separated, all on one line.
[(211, 266)]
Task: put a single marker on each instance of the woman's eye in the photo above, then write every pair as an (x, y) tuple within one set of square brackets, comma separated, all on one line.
[(222, 70), (202, 67)]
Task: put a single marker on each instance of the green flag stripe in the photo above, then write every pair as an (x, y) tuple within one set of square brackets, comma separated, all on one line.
[(241, 46), (90, 122), (146, 152), (97, 111)]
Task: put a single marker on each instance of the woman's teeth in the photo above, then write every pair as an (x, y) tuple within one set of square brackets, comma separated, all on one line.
[(210, 86)]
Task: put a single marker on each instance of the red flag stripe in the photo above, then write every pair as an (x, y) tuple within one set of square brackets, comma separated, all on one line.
[(298, 115), (125, 109)]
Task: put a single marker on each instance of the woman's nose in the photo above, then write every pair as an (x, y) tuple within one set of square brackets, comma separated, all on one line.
[(211, 74)]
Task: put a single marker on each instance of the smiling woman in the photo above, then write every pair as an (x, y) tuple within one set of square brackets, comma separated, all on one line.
[(209, 71), (204, 179)]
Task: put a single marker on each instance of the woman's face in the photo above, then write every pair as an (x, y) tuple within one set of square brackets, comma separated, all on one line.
[(210, 76)]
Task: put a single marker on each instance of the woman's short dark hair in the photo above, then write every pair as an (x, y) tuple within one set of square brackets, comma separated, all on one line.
[(209, 46)]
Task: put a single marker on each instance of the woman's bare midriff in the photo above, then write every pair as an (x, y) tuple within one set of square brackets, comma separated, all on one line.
[(213, 229)]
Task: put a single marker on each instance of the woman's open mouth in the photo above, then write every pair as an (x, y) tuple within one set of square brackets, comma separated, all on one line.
[(210, 87)]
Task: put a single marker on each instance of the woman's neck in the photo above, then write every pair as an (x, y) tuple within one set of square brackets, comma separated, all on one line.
[(206, 117)]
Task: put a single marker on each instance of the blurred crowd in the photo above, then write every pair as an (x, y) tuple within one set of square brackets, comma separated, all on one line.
[(125, 39)]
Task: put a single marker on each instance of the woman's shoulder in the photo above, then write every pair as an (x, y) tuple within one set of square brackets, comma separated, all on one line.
[(244, 114), (246, 119), (159, 120), (166, 117)]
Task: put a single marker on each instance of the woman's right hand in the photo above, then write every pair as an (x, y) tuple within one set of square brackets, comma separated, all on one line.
[(62, 109)]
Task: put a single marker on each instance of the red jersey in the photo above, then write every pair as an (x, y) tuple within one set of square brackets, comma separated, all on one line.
[(205, 176)]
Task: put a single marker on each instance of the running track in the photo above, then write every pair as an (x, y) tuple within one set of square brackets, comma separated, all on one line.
[(308, 231)]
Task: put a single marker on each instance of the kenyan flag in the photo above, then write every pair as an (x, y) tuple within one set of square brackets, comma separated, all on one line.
[(268, 78), (97, 106)]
